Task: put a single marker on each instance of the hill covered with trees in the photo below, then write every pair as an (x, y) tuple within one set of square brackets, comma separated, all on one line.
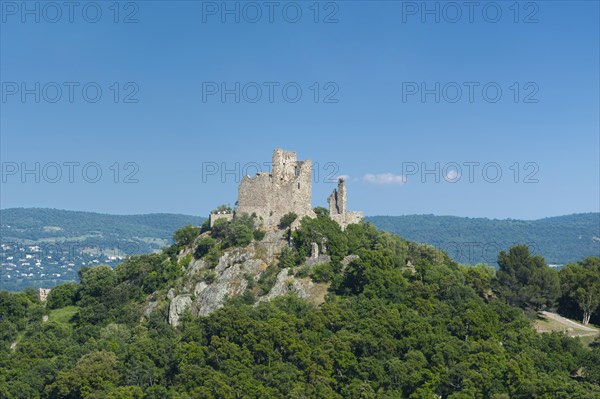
[(34, 224), (400, 320), (69, 240), (44, 247), (561, 239)]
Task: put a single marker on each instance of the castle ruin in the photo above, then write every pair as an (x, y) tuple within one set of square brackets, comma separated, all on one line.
[(337, 206), (287, 188)]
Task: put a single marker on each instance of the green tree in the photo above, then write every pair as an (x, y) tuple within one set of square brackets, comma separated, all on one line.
[(238, 232), (62, 295), (185, 235), (326, 233), (525, 280), (96, 281), (581, 284), (287, 220), (205, 244), (94, 371), (128, 392), (480, 278), (321, 212)]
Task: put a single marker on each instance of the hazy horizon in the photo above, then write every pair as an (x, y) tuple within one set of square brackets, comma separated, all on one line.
[(366, 215)]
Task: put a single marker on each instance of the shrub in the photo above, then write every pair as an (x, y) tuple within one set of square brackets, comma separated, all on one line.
[(322, 273), (268, 279), (287, 220), (289, 258), (321, 230), (213, 255), (209, 277), (224, 209), (239, 232), (205, 244), (205, 226), (259, 234), (185, 262), (239, 235), (250, 280), (321, 212), (248, 297), (303, 272), (185, 235), (62, 295)]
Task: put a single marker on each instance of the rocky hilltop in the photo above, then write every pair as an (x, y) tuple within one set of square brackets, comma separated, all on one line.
[(205, 288), (239, 252)]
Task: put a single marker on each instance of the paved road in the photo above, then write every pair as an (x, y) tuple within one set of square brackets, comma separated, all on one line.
[(570, 323)]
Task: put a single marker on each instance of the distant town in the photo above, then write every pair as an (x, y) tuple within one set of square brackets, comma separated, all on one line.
[(39, 266)]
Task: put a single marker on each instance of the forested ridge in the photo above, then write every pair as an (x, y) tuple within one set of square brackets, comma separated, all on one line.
[(401, 320), (560, 239), (33, 224)]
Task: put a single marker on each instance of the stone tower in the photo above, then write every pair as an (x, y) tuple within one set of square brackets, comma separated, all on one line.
[(337, 199), (337, 206), (287, 188)]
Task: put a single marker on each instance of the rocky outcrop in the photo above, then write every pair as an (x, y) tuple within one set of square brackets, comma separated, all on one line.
[(319, 260), (149, 308), (205, 289), (232, 275), (303, 287), (179, 304)]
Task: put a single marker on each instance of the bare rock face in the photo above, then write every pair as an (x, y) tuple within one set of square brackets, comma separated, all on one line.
[(179, 304), (231, 280), (303, 287), (149, 308), (205, 289)]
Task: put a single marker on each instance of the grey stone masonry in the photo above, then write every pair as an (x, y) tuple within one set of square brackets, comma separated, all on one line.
[(337, 206), (214, 216), (288, 188)]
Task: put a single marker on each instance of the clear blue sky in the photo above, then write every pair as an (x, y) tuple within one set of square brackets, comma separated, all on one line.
[(371, 61)]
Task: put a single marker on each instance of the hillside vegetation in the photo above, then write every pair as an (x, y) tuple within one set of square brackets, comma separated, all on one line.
[(400, 320), (76, 239)]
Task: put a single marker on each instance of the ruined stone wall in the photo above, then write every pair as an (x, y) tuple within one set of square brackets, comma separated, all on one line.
[(337, 207), (216, 216), (288, 188), (337, 199), (344, 219)]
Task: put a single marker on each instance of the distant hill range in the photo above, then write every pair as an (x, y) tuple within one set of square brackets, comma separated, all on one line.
[(43, 247), (150, 231), (561, 239)]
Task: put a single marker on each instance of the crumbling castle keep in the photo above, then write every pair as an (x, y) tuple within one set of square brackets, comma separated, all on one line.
[(287, 188)]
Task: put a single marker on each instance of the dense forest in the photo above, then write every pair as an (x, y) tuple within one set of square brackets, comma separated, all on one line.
[(400, 321)]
